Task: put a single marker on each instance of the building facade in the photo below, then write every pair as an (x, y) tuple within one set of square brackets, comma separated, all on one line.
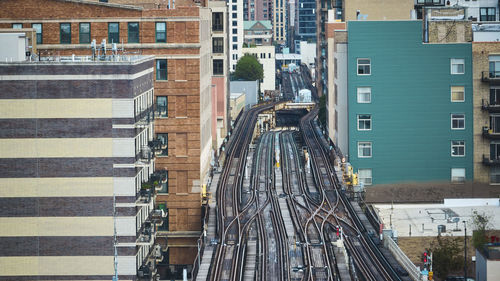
[(266, 57), (306, 29), (280, 21), (408, 124), (257, 10), (258, 33), (180, 39), (235, 32), (75, 144), (486, 80)]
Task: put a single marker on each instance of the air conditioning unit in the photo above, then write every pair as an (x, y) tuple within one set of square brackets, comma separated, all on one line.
[(157, 251)]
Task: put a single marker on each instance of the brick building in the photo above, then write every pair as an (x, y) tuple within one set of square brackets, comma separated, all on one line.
[(180, 39)]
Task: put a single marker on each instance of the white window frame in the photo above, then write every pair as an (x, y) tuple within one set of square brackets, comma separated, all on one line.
[(358, 93), (460, 143), (364, 179), (369, 144), (457, 62), (456, 118), (456, 175), (453, 89), (364, 120), (358, 64)]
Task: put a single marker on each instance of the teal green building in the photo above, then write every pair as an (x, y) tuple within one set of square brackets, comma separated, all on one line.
[(410, 112)]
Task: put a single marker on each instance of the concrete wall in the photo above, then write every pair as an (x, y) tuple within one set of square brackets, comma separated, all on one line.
[(249, 88), (237, 104), (308, 53), (410, 118), (13, 47)]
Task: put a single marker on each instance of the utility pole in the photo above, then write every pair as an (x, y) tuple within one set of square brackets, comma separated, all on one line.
[(465, 251)]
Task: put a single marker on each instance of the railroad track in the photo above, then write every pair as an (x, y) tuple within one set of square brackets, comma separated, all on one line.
[(335, 209), (233, 222)]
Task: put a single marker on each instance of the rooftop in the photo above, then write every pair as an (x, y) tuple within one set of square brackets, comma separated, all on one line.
[(249, 24), (424, 219), (82, 60)]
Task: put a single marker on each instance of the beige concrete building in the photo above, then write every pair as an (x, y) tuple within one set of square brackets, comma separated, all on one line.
[(377, 9), (486, 84), (279, 21)]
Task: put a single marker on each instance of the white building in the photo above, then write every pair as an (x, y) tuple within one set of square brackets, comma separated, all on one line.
[(266, 56), (235, 32)]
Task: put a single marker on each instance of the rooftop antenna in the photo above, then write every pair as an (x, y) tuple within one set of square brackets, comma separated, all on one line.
[(103, 47), (93, 47)]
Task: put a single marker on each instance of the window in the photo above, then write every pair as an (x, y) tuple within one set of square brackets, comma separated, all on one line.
[(487, 14), (495, 174), (235, 46), (218, 45), (218, 67), (161, 69), (495, 151), (364, 95), (133, 32), (164, 189), (235, 15), (162, 106), (161, 32), (113, 32), (494, 66), (457, 66), (39, 32), (65, 33), (364, 66), (458, 148), (84, 33), (162, 149), (235, 23), (458, 121), (217, 21), (495, 96), (235, 38), (365, 176), (495, 124), (457, 94), (17, 25), (364, 149), (364, 122), (458, 174)]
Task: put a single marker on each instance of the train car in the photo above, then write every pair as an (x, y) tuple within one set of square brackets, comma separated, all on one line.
[(304, 95)]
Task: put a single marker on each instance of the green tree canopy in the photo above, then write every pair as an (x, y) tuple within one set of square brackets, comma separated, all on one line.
[(481, 223), (248, 68), (447, 255)]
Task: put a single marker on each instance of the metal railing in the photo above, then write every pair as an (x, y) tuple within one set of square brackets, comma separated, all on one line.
[(401, 257)]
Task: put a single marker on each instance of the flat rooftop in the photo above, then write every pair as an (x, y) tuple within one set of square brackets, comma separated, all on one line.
[(99, 60), (410, 220)]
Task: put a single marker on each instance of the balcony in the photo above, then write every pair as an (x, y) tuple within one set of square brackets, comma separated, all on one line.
[(429, 2), (490, 162), (157, 216), (148, 270), (146, 235), (157, 179), (145, 117), (145, 156), (144, 196), (492, 77), (489, 133), (493, 108)]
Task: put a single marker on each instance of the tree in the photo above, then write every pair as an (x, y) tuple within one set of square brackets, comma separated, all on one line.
[(248, 68), (447, 255), (322, 110), (481, 223)]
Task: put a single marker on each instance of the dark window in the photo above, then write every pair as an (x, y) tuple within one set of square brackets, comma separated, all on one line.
[(39, 32), (235, 47), (487, 14), (217, 22), (133, 32), (495, 151), (113, 32), (65, 33), (235, 23), (235, 38), (161, 32), (218, 45), (364, 67), (161, 69), (218, 67), (84, 33), (164, 189), (495, 96), (162, 106), (103, 1), (162, 150)]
